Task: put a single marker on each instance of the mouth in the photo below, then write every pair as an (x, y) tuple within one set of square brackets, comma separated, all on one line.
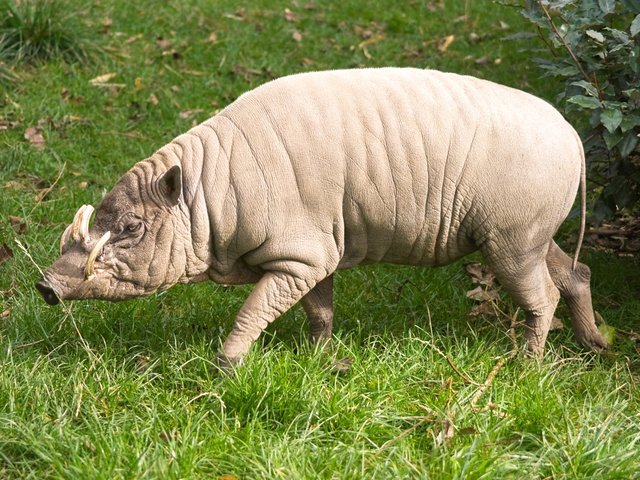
[(47, 292)]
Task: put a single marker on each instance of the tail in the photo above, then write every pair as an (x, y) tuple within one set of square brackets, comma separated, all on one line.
[(583, 207)]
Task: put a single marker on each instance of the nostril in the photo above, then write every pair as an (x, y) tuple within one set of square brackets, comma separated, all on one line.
[(47, 292)]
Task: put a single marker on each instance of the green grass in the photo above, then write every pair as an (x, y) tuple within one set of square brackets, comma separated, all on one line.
[(128, 390), (33, 30)]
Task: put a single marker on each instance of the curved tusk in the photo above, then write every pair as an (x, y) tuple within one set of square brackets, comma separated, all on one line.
[(65, 239), (84, 223), (97, 248), (75, 226)]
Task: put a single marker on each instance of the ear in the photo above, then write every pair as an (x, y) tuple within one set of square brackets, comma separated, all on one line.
[(171, 185)]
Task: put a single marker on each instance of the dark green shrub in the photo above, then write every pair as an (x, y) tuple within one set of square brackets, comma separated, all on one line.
[(32, 30), (595, 48)]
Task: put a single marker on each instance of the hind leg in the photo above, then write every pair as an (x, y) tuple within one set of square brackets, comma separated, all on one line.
[(575, 290), (318, 305), (526, 278)]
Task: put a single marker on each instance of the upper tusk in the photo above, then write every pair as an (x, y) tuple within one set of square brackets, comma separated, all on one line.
[(65, 239), (84, 223), (77, 221), (97, 248)]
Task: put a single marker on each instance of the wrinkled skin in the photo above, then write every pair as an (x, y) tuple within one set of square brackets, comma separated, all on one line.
[(316, 172), (143, 230)]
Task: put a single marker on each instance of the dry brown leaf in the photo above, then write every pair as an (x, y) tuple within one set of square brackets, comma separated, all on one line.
[(290, 16), (18, 224), (480, 274), (297, 36), (133, 39), (228, 477), (163, 43), (84, 184), (444, 43), (5, 313), (34, 137), (479, 294), (153, 100), (189, 113), (483, 309), (212, 38), (102, 79), (307, 62), (5, 253), (6, 124)]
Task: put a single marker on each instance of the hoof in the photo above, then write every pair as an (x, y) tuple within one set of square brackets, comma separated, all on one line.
[(595, 342), (227, 364)]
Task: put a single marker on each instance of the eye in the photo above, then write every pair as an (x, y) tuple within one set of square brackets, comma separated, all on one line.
[(133, 227)]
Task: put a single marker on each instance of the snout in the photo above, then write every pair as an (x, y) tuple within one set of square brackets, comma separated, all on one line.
[(47, 292)]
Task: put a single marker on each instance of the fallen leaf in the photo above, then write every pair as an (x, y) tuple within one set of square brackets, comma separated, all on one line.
[(504, 25), (83, 184), (479, 294), (5, 313), (473, 37), (444, 43), (483, 309), (18, 224), (482, 60), (297, 36), (480, 274), (307, 62), (213, 37), (102, 79), (106, 23), (228, 477), (34, 137), (289, 16), (163, 43), (7, 124), (137, 83), (133, 39), (189, 113), (446, 433), (5, 253), (153, 100)]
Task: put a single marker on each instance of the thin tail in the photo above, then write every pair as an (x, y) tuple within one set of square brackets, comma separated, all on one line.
[(583, 208)]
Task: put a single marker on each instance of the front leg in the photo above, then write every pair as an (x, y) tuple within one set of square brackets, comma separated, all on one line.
[(273, 295)]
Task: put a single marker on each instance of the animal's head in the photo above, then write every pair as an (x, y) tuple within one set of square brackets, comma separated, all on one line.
[(127, 251)]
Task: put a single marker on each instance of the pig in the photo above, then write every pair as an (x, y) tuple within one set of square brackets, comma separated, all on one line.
[(321, 171)]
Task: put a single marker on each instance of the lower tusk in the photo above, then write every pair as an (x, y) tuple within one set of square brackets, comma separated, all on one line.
[(84, 223), (97, 248), (65, 239)]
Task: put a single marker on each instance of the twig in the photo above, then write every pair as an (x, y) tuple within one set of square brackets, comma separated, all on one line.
[(47, 190), (593, 81), (67, 309), (465, 377), (496, 368)]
